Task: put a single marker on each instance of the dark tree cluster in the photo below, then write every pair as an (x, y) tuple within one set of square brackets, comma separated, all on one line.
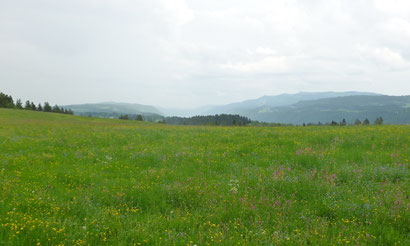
[(379, 121), (124, 117), (216, 120), (6, 101), (137, 117)]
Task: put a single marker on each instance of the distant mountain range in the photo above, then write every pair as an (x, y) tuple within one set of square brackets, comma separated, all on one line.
[(114, 109), (299, 108), (279, 100), (394, 110), (272, 101)]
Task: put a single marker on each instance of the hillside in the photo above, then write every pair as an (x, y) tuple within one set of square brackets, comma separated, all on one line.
[(113, 109), (72, 180), (394, 110), (271, 101)]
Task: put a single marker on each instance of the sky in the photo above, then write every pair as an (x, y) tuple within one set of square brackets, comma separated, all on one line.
[(187, 53)]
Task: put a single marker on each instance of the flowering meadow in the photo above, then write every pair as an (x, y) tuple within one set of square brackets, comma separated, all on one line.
[(69, 180)]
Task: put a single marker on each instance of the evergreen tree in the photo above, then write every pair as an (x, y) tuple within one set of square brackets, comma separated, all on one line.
[(56, 109), (47, 107), (343, 123), (124, 117), (366, 122), (6, 101), (379, 121), (27, 105), (334, 123), (19, 104), (39, 107), (33, 106), (139, 117), (357, 122)]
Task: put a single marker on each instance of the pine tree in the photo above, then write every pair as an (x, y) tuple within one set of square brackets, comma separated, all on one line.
[(6, 101), (19, 104), (366, 122), (33, 106), (27, 105), (39, 107), (47, 107), (139, 117), (379, 121), (56, 109)]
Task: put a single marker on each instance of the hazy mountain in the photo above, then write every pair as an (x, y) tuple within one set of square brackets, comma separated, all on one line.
[(112, 109), (394, 110), (272, 101), (297, 108), (279, 100)]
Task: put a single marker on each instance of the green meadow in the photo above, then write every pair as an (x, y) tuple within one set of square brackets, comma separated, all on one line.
[(69, 180)]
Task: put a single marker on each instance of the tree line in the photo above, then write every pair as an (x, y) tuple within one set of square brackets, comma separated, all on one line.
[(378, 121), (6, 101), (137, 117), (236, 120), (216, 120)]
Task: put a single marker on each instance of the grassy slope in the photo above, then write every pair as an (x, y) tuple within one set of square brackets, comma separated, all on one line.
[(67, 179)]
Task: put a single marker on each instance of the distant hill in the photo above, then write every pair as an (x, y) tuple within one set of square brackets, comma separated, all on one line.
[(279, 100), (394, 110), (304, 107), (113, 109), (271, 101)]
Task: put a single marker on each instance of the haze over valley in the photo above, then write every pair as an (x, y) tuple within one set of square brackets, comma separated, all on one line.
[(304, 107)]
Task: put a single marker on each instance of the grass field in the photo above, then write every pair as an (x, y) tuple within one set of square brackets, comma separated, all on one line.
[(68, 180)]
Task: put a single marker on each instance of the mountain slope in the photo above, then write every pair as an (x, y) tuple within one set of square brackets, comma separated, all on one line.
[(394, 109), (288, 99), (271, 101), (112, 108)]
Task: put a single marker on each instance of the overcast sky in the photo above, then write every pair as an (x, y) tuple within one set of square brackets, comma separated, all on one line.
[(186, 53)]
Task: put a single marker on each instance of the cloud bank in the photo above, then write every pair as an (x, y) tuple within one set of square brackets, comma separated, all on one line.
[(186, 53)]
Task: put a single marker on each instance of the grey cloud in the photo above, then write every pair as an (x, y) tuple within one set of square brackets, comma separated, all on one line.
[(194, 52)]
